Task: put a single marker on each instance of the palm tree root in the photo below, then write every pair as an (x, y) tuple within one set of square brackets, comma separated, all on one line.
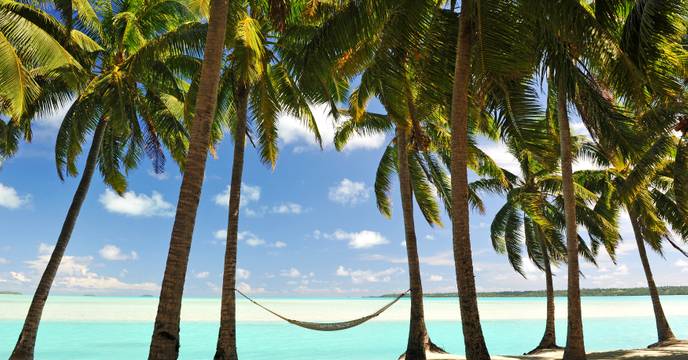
[(430, 347), (543, 348), (667, 342)]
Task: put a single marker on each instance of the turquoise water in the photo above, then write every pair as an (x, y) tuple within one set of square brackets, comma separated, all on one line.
[(82, 339)]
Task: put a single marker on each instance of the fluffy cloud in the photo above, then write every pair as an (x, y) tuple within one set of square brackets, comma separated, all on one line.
[(287, 208), (682, 264), (250, 238), (292, 132), (114, 253), (19, 277), (349, 192), (242, 274), (290, 273), (436, 278), (132, 204), (246, 288), (202, 275), (220, 234), (75, 274), (248, 194), (9, 198), (368, 276), (360, 240)]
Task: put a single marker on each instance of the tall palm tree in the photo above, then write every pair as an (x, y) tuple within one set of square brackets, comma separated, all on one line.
[(121, 104), (532, 215), (262, 87), (575, 47), (492, 66), (639, 185), (165, 338), (42, 60)]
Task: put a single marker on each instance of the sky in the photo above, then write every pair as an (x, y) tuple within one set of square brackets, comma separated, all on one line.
[(309, 227)]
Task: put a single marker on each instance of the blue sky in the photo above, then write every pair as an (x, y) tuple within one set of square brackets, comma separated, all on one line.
[(308, 228)]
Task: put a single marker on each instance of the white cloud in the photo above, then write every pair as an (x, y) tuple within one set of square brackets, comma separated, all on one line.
[(349, 192), (292, 132), (132, 204), (114, 253), (436, 278), (280, 244), (9, 198), (4, 261), (242, 274), (220, 234), (682, 264), (287, 208), (202, 275), (248, 195), (250, 238), (362, 239), (246, 288), (291, 273), (626, 247), (500, 154), (441, 259), (44, 248), (75, 274), (368, 276), (19, 277)]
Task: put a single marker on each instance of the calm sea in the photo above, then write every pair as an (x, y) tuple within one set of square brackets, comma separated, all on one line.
[(79, 327)]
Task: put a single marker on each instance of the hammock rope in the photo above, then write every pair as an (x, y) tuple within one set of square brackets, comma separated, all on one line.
[(327, 326)]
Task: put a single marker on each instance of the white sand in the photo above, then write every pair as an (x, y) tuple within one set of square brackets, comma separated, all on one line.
[(674, 352), (83, 308)]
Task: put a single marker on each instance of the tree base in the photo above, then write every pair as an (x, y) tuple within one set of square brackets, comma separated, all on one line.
[(668, 342), (544, 348), (430, 347)]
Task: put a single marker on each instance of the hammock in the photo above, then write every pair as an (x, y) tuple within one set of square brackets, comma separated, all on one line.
[(333, 326)]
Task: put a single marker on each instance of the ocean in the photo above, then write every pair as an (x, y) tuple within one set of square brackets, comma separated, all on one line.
[(115, 328)]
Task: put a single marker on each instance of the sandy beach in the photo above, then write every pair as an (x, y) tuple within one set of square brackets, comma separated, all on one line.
[(673, 352)]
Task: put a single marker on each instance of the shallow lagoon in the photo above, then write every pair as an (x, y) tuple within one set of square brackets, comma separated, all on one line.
[(80, 327)]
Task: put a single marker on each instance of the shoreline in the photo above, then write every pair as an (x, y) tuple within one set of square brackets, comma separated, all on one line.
[(677, 351)]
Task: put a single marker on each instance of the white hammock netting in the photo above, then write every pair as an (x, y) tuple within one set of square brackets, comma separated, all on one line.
[(327, 326)]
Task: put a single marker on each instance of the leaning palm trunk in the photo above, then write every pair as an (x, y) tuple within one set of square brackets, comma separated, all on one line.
[(226, 341), (24, 348), (549, 339), (165, 340), (664, 333), (476, 349), (575, 346), (418, 340)]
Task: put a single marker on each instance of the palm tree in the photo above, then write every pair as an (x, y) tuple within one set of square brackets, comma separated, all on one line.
[(639, 185), (121, 104), (493, 64), (651, 89), (41, 60), (165, 338), (261, 84), (532, 215), (575, 48)]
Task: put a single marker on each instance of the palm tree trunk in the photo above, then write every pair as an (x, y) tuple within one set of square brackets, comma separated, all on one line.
[(465, 278), (26, 343), (664, 333), (165, 339), (549, 339), (418, 333), (226, 341), (575, 346)]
